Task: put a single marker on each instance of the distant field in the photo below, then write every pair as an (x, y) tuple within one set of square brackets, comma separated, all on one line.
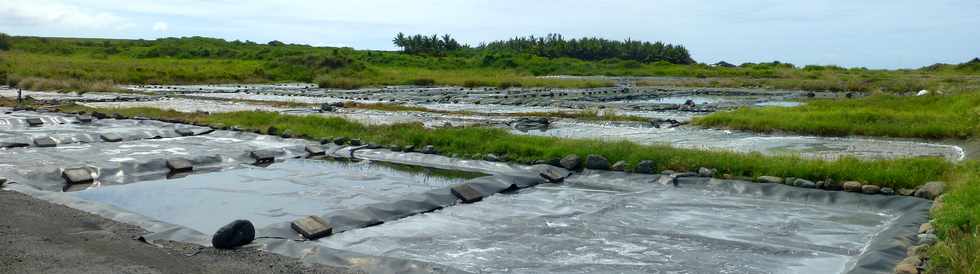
[(936, 117)]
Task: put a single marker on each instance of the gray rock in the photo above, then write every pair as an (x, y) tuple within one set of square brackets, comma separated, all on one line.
[(189, 132), (571, 162), (800, 182), (887, 191), (84, 119), (180, 165), (905, 191), (429, 149), (645, 167), (234, 234), (789, 180), (408, 148), (315, 150), (596, 162), (806, 184), (45, 142), (312, 227), (931, 190), (394, 148), (870, 189), (111, 137), (926, 239), (79, 175), (706, 172), (326, 107), (466, 193), (852, 186), (619, 166), (490, 157), (770, 179)]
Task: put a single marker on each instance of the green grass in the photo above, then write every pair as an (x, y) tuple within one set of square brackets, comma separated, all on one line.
[(936, 117), (957, 223), (900, 173)]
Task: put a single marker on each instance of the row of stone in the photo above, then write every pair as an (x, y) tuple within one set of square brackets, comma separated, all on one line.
[(916, 260)]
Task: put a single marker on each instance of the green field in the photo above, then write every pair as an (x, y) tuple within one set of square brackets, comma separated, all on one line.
[(936, 117)]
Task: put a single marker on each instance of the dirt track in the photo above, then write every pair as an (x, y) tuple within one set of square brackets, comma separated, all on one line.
[(39, 237)]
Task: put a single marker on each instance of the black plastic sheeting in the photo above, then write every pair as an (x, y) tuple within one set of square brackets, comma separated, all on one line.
[(144, 159)]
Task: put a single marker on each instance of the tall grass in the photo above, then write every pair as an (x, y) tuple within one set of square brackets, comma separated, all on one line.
[(955, 116), (36, 83), (899, 173), (957, 223)]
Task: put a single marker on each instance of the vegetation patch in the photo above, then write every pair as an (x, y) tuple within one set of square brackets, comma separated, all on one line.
[(935, 117)]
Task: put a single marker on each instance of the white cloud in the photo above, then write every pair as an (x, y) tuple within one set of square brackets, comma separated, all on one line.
[(45, 13), (161, 26)]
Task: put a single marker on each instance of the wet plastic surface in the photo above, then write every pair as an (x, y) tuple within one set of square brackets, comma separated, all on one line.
[(635, 227), (280, 192)]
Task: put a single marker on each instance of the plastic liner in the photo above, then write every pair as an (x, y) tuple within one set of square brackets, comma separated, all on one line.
[(614, 222), (281, 192)]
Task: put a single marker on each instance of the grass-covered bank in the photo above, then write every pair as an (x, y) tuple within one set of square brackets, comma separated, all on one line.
[(935, 117), (469, 141), (957, 222)]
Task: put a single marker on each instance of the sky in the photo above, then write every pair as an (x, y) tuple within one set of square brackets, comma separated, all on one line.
[(852, 33)]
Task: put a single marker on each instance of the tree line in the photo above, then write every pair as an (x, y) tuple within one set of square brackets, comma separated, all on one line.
[(427, 44), (555, 46)]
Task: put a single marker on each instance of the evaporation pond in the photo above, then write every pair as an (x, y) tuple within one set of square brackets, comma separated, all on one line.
[(626, 228), (280, 192)]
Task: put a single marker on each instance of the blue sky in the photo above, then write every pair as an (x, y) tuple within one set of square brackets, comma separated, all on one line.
[(868, 33)]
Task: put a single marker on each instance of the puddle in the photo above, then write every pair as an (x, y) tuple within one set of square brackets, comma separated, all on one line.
[(281, 192)]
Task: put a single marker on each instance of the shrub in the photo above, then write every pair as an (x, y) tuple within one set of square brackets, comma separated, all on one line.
[(423, 82)]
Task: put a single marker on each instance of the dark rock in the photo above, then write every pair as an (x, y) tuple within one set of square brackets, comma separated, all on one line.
[(234, 234), (931, 190), (326, 107), (372, 146), (189, 132), (429, 150), (79, 175), (887, 191), (645, 167), (179, 165), (84, 119), (111, 137), (552, 176), (99, 115), (312, 227), (409, 148), (340, 141), (833, 185), (571, 162), (34, 122), (466, 193), (45, 142), (263, 156), (395, 148), (272, 130), (596, 162), (356, 142), (619, 166), (526, 124), (326, 141)]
